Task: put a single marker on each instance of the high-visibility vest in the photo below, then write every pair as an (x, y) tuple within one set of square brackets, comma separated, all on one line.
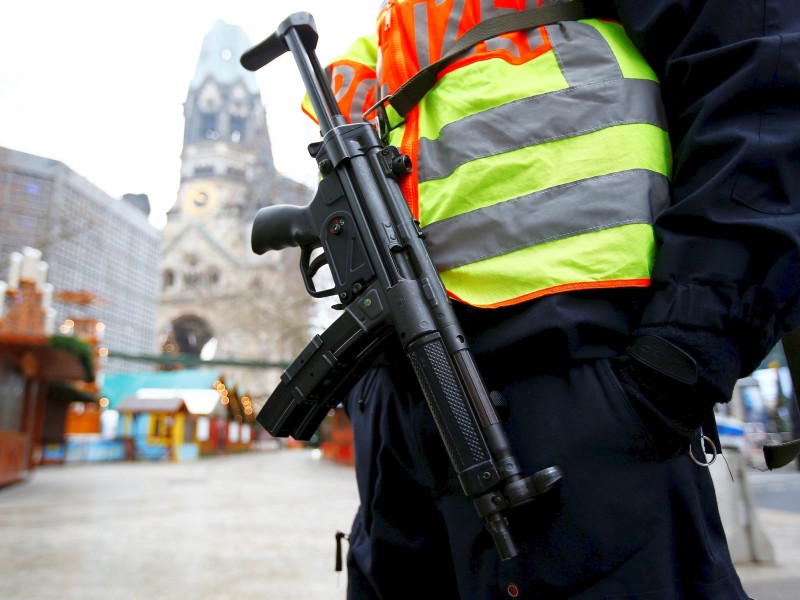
[(541, 158)]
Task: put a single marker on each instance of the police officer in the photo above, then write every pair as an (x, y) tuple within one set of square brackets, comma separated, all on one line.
[(617, 264)]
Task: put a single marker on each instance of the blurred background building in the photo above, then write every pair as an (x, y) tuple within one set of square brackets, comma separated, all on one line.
[(102, 254), (192, 295), (220, 300)]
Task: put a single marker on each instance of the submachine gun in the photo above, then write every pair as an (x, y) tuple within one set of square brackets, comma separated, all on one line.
[(386, 285)]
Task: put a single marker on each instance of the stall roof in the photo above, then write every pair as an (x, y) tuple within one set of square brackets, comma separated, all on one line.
[(133, 404), (198, 402), (118, 387)]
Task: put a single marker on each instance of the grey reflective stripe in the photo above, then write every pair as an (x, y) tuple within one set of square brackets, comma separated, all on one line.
[(360, 99), (421, 34), (348, 75), (422, 42), (453, 23), (583, 206), (582, 53), (536, 119), (501, 43)]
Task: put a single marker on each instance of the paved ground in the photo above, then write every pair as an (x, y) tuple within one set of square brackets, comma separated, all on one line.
[(241, 527), (781, 580)]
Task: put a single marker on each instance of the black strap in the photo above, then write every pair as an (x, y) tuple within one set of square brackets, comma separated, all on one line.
[(780, 455), (664, 357), (412, 91)]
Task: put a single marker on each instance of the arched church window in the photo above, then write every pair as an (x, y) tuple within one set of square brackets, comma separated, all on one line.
[(237, 128), (209, 126), (209, 101), (168, 278), (191, 333)]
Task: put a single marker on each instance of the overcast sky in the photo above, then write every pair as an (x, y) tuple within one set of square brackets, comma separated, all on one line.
[(100, 85)]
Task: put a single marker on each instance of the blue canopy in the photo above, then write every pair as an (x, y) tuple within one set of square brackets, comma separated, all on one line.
[(120, 386)]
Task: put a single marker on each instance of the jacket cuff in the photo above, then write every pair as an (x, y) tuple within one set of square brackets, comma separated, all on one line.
[(717, 357)]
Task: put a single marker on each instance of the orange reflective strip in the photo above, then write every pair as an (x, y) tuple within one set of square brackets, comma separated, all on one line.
[(566, 287)]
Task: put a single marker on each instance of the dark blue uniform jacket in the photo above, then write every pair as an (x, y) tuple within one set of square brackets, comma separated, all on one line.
[(727, 273), (726, 282)]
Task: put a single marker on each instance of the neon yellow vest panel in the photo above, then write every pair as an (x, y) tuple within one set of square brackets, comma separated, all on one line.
[(533, 176), (544, 176)]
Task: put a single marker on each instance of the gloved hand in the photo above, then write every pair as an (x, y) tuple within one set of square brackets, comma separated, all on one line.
[(661, 383)]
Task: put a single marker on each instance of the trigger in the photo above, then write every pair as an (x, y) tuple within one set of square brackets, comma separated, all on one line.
[(316, 264)]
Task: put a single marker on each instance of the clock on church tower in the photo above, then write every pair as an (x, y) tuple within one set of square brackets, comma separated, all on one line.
[(200, 198)]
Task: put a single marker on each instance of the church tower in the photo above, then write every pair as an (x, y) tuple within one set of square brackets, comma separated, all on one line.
[(219, 299)]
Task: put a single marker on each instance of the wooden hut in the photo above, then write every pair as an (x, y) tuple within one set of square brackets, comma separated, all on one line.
[(180, 415), (36, 367), (29, 366)]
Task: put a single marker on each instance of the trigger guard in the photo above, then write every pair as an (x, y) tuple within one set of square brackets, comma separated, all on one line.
[(309, 268)]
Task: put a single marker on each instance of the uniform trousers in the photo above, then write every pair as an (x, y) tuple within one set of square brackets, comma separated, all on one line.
[(621, 523)]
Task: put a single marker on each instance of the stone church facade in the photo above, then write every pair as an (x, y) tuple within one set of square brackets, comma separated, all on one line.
[(218, 297)]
